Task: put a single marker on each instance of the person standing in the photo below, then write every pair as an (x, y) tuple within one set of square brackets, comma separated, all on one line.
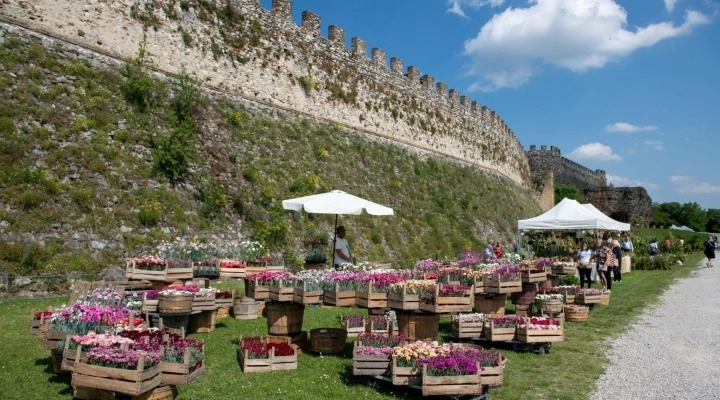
[(627, 245), (709, 251), (498, 250), (653, 247), (617, 273), (599, 256), (342, 248), (666, 245), (607, 262), (584, 267)]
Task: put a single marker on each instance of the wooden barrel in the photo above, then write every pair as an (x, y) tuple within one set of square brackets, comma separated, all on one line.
[(605, 299), (284, 319), (203, 322), (419, 326), (328, 340), (175, 304), (245, 308), (177, 324), (492, 304), (550, 306), (576, 313), (527, 296)]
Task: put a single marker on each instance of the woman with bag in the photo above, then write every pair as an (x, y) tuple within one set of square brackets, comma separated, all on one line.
[(584, 267), (710, 246), (617, 252), (607, 263)]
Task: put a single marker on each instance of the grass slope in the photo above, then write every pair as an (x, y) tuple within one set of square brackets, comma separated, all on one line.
[(567, 372), (88, 150)]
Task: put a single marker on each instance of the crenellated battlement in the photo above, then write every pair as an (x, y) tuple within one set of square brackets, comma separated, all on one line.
[(566, 171), (264, 56)]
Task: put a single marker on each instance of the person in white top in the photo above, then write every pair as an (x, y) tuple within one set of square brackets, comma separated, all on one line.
[(584, 267), (342, 248)]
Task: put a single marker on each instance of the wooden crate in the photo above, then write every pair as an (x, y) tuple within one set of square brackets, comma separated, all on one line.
[(299, 340), (203, 322), (56, 357), (132, 382), (564, 269), (339, 299), (467, 329), (282, 363), (450, 385), (168, 275), (253, 267), (404, 376), (149, 305), (162, 392), (70, 356), (281, 293), (490, 304), (478, 285), (256, 291), (232, 273), (581, 298), (405, 302), (493, 376), (38, 325), (448, 304), (526, 335), (182, 373), (302, 296), (496, 287), (530, 277), (51, 339), (369, 299), (224, 303), (494, 334), (354, 331), (370, 365), (203, 303), (253, 365)]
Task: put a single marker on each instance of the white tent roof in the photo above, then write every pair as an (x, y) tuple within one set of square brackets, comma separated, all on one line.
[(570, 215), (609, 223), (682, 228)]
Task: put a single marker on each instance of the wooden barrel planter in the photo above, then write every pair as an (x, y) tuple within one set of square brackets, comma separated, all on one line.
[(177, 324), (526, 296), (202, 322), (575, 313), (327, 340), (549, 306), (493, 304), (419, 326), (175, 304), (605, 299), (246, 308), (284, 319)]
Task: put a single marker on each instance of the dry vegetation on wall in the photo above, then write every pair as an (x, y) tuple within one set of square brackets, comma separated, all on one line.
[(97, 164)]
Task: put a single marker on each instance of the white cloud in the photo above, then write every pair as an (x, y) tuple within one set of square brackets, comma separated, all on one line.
[(678, 179), (456, 6), (670, 5), (687, 184), (572, 34), (625, 127), (594, 151), (655, 145), (620, 181)]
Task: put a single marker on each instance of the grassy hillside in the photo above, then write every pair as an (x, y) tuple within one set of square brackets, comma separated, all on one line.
[(126, 160)]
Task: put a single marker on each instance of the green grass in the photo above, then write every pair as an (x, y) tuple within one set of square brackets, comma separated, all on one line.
[(567, 372)]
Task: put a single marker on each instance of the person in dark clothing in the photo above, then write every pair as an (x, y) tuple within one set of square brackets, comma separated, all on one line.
[(617, 252), (709, 251)]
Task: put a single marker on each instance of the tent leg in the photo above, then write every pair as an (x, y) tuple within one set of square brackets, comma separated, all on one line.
[(332, 257)]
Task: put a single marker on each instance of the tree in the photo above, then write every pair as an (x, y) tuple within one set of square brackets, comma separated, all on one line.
[(673, 210), (571, 192), (693, 216), (713, 220)]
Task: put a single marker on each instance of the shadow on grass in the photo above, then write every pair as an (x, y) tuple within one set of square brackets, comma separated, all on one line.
[(378, 385)]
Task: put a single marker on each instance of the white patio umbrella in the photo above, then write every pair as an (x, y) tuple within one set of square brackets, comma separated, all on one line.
[(335, 202)]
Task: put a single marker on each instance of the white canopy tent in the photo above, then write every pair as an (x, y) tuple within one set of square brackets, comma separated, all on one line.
[(571, 215), (609, 223)]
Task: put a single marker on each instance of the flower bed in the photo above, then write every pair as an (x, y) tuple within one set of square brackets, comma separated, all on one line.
[(500, 329), (468, 325), (446, 298), (540, 330), (258, 355), (182, 360)]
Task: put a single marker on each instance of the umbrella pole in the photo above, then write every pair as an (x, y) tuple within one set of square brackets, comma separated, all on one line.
[(332, 259)]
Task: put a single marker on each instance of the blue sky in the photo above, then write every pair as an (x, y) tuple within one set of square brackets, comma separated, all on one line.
[(628, 86)]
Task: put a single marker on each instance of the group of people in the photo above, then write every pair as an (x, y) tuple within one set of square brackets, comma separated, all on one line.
[(607, 255)]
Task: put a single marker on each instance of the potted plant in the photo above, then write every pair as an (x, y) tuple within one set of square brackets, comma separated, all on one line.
[(446, 298), (372, 353), (404, 367), (468, 325), (539, 330)]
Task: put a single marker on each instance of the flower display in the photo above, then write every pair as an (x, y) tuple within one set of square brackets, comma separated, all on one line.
[(152, 294), (428, 265), (180, 290), (92, 339), (225, 263), (408, 354), (449, 274), (265, 278), (83, 318), (513, 258), (536, 323), (378, 322), (381, 281), (114, 357), (509, 321), (568, 289), (504, 273), (380, 340), (469, 318), (148, 263), (427, 294), (543, 262), (224, 294), (255, 347), (589, 292), (175, 346), (458, 361), (312, 279), (410, 286), (206, 292), (533, 270), (286, 279), (280, 349), (353, 321), (554, 296), (43, 314)]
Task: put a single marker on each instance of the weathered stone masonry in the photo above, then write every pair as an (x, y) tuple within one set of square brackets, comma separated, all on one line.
[(264, 56), (565, 171)]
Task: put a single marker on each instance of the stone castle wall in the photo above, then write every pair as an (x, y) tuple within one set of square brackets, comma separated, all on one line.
[(625, 204), (264, 56), (566, 172)]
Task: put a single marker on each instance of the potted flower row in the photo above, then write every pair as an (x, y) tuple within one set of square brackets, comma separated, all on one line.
[(372, 353), (569, 292), (231, 269), (503, 279), (154, 268), (372, 290), (308, 287), (533, 275), (355, 324), (540, 330), (257, 285), (206, 269), (339, 288), (256, 354), (446, 298), (468, 325), (406, 295), (564, 267), (588, 296)]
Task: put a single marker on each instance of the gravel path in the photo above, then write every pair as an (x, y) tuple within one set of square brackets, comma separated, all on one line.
[(673, 350)]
